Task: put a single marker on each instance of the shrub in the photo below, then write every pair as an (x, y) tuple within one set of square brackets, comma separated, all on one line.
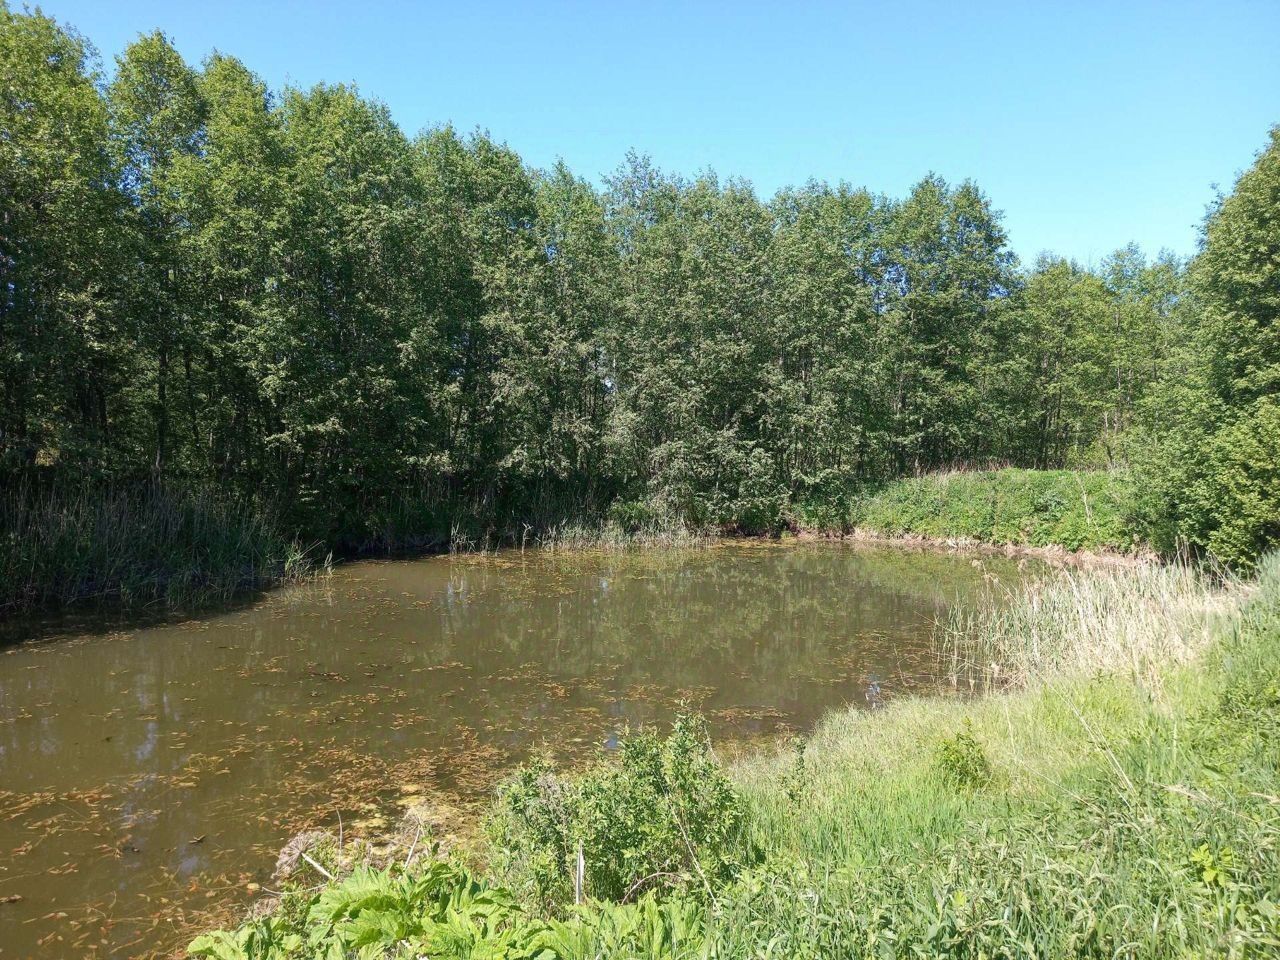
[(437, 911), (632, 516), (662, 814), (962, 760), (1078, 510), (1240, 505)]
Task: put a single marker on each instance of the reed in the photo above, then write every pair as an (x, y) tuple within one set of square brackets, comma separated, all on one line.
[(604, 535), (148, 547), (1107, 800), (1135, 621)]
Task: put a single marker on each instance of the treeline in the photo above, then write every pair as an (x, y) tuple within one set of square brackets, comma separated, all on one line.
[(284, 298)]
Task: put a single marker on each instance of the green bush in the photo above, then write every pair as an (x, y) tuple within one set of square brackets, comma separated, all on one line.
[(1240, 503), (1212, 482), (439, 911), (632, 516), (1078, 510), (962, 760), (444, 912), (662, 814)]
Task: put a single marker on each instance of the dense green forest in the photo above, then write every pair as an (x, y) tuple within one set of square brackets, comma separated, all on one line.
[(279, 302)]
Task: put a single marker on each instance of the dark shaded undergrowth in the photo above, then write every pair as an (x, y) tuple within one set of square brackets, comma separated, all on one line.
[(148, 547)]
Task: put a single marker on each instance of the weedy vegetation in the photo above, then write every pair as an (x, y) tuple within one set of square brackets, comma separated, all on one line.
[(662, 815), (147, 547), (1074, 509)]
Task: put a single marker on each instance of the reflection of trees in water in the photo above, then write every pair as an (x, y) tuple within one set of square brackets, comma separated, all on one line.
[(440, 672), (758, 623), (765, 612)]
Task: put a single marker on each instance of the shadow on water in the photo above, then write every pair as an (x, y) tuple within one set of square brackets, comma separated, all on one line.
[(149, 774), (101, 620)]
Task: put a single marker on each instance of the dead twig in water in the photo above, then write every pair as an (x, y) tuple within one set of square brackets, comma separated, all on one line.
[(413, 846)]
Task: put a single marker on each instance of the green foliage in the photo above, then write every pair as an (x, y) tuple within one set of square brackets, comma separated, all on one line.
[(797, 778), (1079, 351), (1208, 464), (1079, 510), (439, 910), (150, 547), (409, 342), (207, 282), (661, 815), (962, 760), (1239, 505), (652, 929), (65, 350), (633, 516), (443, 911)]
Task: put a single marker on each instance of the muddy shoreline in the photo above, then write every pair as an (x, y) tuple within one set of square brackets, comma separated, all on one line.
[(1055, 554)]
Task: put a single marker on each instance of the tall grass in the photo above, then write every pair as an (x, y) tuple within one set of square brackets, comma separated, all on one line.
[(1136, 622), (1104, 804), (145, 547), (607, 535)]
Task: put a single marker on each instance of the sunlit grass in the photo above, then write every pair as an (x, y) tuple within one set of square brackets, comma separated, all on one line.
[(1072, 509), (1135, 622), (1117, 786)]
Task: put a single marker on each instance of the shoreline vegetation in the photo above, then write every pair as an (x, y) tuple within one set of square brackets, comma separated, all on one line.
[(158, 550), (139, 551), (1112, 792), (1073, 510)]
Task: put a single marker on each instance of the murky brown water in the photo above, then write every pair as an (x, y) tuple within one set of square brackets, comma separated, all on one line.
[(148, 776)]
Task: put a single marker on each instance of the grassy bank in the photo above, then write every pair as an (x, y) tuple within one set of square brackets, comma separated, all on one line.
[(143, 547), (1077, 510), (1118, 794)]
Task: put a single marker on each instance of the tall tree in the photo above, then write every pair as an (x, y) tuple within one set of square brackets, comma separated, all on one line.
[(1209, 470), (694, 351), (231, 203), (829, 413), (157, 114), (65, 347), (342, 346), (1054, 358), (947, 267)]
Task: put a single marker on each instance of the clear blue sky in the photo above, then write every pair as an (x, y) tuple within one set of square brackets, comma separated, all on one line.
[(1089, 124)]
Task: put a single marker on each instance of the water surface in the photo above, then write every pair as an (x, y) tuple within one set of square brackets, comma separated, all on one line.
[(149, 776)]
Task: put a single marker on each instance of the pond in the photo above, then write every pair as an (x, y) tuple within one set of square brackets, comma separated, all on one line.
[(149, 776)]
